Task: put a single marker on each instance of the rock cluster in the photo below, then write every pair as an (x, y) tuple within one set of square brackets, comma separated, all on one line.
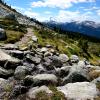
[(33, 71)]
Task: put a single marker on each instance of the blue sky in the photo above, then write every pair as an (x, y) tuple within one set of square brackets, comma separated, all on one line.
[(58, 10)]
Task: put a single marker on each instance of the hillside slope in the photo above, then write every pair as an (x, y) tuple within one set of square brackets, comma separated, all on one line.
[(70, 42), (6, 10)]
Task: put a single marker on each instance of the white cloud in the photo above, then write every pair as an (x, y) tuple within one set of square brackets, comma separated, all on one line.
[(98, 12), (65, 16), (62, 16), (47, 12), (63, 4), (31, 14), (36, 15), (91, 8)]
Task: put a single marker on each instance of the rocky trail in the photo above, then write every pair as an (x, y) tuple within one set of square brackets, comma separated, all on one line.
[(26, 73), (26, 37)]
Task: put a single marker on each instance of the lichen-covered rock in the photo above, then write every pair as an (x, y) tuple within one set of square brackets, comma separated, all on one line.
[(79, 91), (5, 87), (35, 90)]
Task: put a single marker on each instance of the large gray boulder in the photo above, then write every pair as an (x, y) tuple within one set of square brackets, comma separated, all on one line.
[(35, 90), (16, 53), (9, 47), (77, 73), (5, 73), (79, 91), (42, 79), (2, 34), (6, 58)]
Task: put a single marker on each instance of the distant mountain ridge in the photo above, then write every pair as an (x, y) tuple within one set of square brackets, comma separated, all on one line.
[(89, 28)]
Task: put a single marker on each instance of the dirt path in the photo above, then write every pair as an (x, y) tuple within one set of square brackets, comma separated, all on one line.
[(26, 37)]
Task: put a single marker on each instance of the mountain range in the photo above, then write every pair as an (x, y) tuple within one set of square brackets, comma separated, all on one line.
[(89, 28)]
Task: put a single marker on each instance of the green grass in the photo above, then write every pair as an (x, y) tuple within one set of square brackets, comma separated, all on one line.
[(56, 95), (69, 46), (13, 36), (14, 30), (61, 45)]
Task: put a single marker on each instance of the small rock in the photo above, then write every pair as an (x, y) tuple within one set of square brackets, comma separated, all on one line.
[(74, 58), (49, 46), (47, 54), (63, 71), (48, 63), (56, 62), (20, 72), (34, 38), (41, 69), (30, 67), (44, 49), (63, 58), (35, 60)]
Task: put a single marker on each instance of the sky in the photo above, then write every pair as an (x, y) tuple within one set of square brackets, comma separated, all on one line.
[(58, 10)]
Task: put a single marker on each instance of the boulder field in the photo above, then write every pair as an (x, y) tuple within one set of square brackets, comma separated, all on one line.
[(26, 73)]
